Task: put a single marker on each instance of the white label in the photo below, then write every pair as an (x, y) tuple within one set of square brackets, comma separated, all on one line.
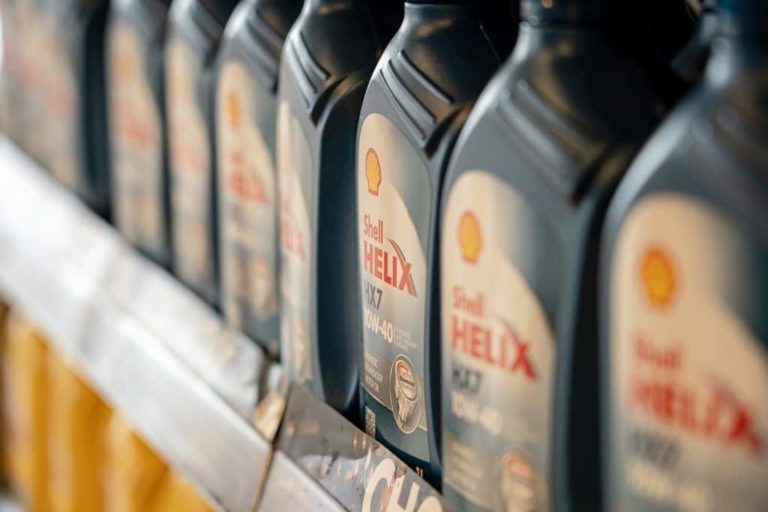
[(689, 422), (294, 161), (394, 198), (248, 209), (498, 352), (137, 159), (190, 163)]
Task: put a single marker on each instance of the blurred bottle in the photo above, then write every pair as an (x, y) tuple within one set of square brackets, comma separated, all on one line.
[(328, 59), (139, 156), (74, 122), (26, 411), (10, 79), (24, 87), (684, 288), (77, 441), (246, 112), (135, 471), (194, 31)]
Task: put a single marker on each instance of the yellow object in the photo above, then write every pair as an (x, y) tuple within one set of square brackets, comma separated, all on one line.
[(135, 471), (77, 448), (176, 493), (25, 411)]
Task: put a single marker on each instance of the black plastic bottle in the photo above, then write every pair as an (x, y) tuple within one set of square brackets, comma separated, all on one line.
[(73, 131), (523, 205), (328, 59), (416, 104), (685, 327), (195, 29), (138, 141), (246, 115), (11, 99)]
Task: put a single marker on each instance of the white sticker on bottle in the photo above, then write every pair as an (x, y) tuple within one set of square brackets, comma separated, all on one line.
[(294, 160), (190, 165), (498, 353), (689, 375), (248, 206), (136, 140), (393, 197)]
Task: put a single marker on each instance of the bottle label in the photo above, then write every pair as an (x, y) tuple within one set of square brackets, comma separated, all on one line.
[(393, 219), (137, 158), (294, 162), (688, 368), (498, 352), (248, 209), (190, 164)]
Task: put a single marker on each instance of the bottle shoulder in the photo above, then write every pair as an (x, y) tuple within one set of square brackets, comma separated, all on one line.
[(711, 149), (188, 21), (570, 112), (427, 81), (337, 41), (255, 41)]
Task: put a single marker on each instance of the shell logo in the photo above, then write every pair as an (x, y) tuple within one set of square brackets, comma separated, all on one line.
[(373, 172), (233, 110), (519, 467), (659, 277), (470, 237), (125, 67)]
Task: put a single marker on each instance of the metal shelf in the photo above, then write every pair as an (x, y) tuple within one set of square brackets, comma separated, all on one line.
[(155, 352), (202, 395)]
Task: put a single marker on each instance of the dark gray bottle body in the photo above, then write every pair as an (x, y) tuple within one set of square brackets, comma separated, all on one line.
[(195, 28), (246, 116), (416, 104), (138, 135), (685, 333), (328, 58), (523, 204)]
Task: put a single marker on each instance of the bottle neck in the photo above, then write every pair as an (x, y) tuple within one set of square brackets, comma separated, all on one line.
[(543, 12), (219, 10), (343, 4), (429, 11)]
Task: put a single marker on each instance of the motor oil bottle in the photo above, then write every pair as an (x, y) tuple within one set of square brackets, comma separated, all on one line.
[(522, 208), (246, 115), (684, 290), (25, 413), (139, 156), (416, 104), (10, 67), (28, 31), (75, 133), (195, 29), (328, 58), (77, 440), (22, 85)]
